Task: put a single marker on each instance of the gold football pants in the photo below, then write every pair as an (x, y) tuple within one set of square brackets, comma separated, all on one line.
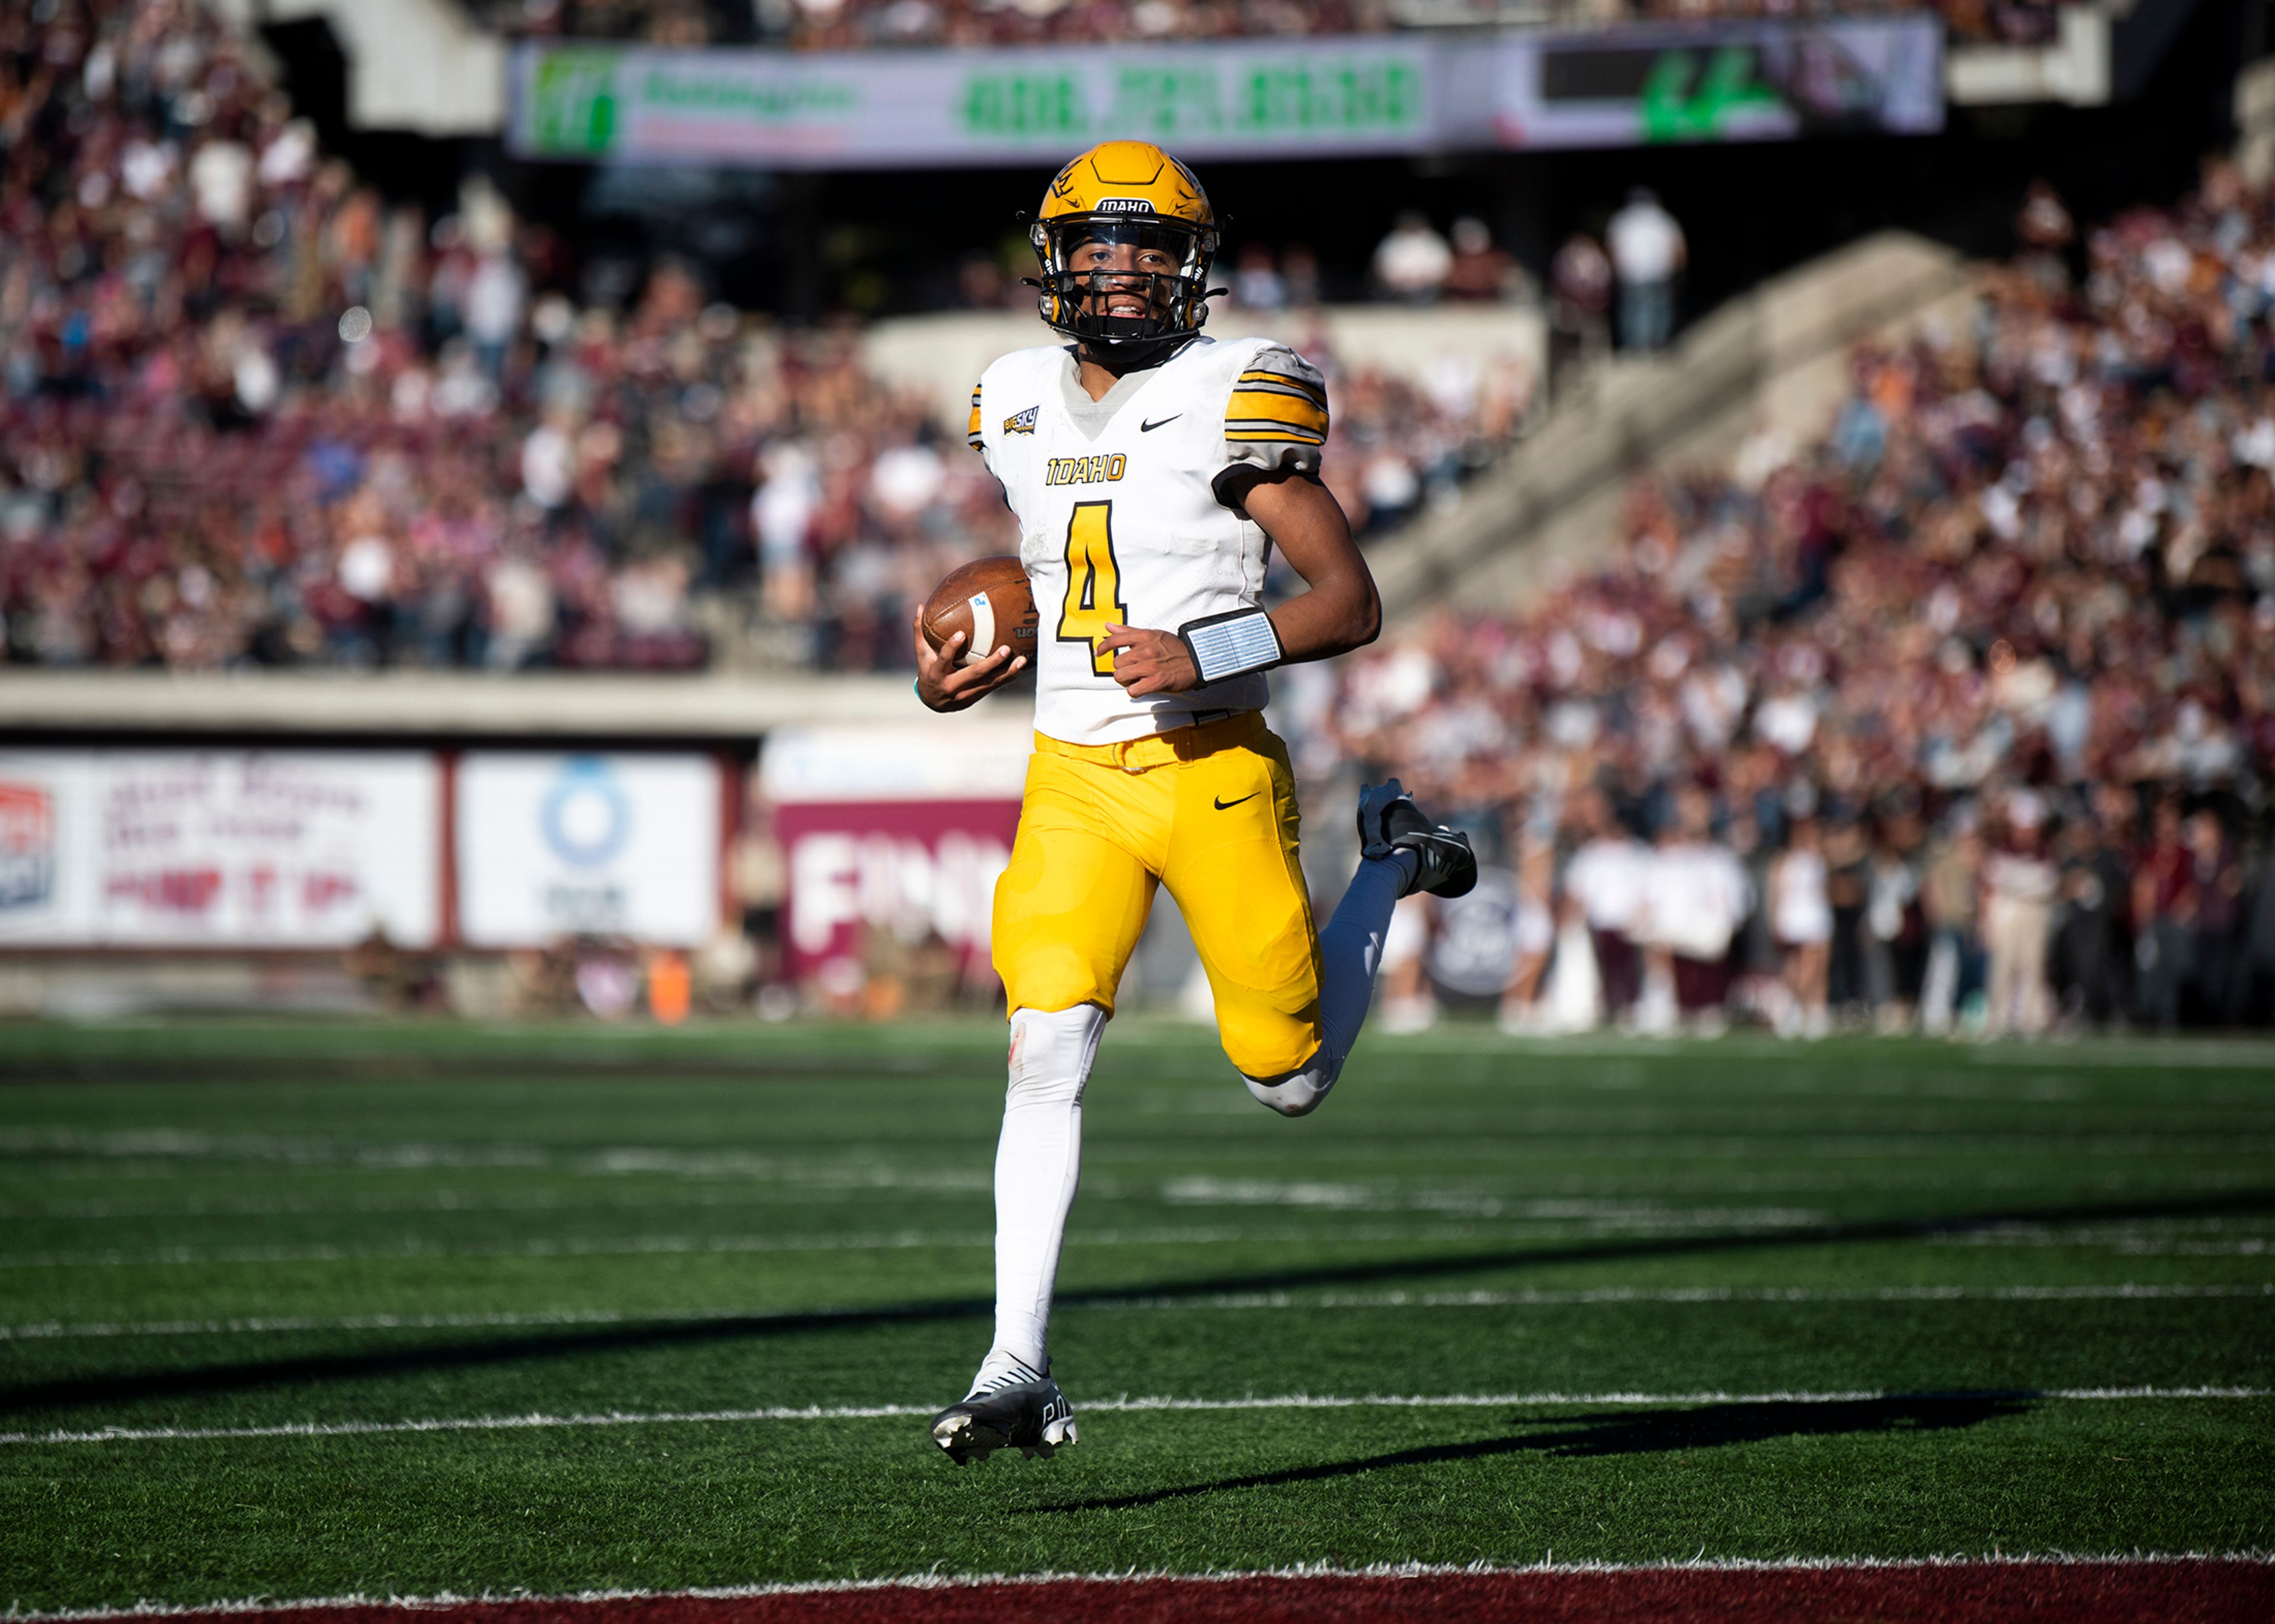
[(1208, 811)]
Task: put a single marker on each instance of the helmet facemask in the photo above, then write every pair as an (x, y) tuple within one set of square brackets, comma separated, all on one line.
[(1088, 259)]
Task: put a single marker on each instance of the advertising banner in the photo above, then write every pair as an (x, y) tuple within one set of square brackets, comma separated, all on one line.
[(897, 110), (1738, 81), (220, 848), (556, 845), (893, 832), (1250, 99)]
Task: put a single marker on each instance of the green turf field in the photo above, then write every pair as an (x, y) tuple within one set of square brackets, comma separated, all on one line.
[(1737, 1298)]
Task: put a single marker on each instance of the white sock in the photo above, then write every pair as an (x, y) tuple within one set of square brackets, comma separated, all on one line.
[(1038, 1164), (1350, 952)]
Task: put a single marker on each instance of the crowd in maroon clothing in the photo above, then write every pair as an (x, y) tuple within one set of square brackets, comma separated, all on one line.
[(842, 25), (250, 411), (2001, 646)]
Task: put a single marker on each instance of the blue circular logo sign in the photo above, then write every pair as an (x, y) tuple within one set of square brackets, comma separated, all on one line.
[(586, 818)]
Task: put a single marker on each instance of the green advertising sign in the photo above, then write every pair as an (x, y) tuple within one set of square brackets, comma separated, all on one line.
[(572, 102), (899, 109)]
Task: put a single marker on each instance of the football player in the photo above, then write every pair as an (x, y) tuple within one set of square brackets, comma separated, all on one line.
[(1150, 469)]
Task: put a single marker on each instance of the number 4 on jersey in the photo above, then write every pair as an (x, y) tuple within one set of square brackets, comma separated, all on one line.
[(1094, 594)]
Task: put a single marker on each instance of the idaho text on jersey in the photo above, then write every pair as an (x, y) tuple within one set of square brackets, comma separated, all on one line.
[(1085, 470)]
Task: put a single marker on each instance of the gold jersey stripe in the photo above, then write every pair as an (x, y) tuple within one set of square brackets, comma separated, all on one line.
[(971, 434), (1273, 403), (1258, 375), (1291, 436), (1282, 392), (1276, 408)]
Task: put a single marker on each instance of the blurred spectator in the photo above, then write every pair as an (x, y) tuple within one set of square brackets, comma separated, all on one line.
[(1697, 896), (1802, 918), (1534, 936), (1580, 302), (1479, 270), (2164, 908), (2215, 881), (1609, 876), (1951, 892), (2019, 886), (1413, 262), (2045, 230), (1257, 283), (2090, 973), (1847, 889), (2257, 977), (1895, 936), (1648, 252), (495, 294), (1299, 270)]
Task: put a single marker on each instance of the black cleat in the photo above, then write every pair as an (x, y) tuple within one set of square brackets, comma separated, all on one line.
[(1389, 822), (1027, 1413)]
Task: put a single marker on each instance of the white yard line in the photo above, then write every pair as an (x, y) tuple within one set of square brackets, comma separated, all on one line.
[(631, 1246), (644, 1245), (1230, 1302), (333, 1155), (1124, 1405), (936, 1581), (1676, 1294)]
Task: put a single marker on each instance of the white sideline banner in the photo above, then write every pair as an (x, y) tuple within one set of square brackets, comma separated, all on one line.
[(219, 848), (555, 845)]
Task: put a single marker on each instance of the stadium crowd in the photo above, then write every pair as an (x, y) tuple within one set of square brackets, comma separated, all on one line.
[(843, 25), (1964, 712), (253, 413)]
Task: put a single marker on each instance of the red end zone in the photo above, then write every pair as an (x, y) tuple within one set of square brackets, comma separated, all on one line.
[(2189, 1591)]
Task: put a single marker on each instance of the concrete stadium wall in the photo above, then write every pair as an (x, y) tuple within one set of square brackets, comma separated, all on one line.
[(944, 355), (398, 705), (1777, 356)]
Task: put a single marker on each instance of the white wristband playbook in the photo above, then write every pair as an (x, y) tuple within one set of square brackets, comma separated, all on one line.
[(1232, 643)]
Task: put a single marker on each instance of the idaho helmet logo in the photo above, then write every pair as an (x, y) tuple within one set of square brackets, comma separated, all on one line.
[(27, 845)]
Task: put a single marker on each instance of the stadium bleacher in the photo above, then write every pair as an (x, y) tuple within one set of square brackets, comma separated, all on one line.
[(225, 353), (256, 415), (840, 25), (2010, 620)]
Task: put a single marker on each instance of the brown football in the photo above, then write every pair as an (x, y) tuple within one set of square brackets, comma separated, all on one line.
[(989, 600)]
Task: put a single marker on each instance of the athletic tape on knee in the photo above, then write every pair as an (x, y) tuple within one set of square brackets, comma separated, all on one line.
[(1053, 1050)]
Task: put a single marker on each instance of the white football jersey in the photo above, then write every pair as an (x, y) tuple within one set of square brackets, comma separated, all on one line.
[(1126, 511)]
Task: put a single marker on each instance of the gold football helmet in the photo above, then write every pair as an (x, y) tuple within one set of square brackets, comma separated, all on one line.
[(1125, 225)]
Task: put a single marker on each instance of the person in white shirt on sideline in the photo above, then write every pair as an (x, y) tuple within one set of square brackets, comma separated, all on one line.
[(2018, 905), (1648, 250), (1607, 876), (1413, 262), (1800, 915), (1698, 895)]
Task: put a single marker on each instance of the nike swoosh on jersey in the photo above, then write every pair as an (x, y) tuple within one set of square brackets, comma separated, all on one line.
[(1147, 428), (1228, 806)]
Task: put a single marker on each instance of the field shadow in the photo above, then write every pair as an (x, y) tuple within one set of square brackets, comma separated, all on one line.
[(1627, 1431), (494, 1350)]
